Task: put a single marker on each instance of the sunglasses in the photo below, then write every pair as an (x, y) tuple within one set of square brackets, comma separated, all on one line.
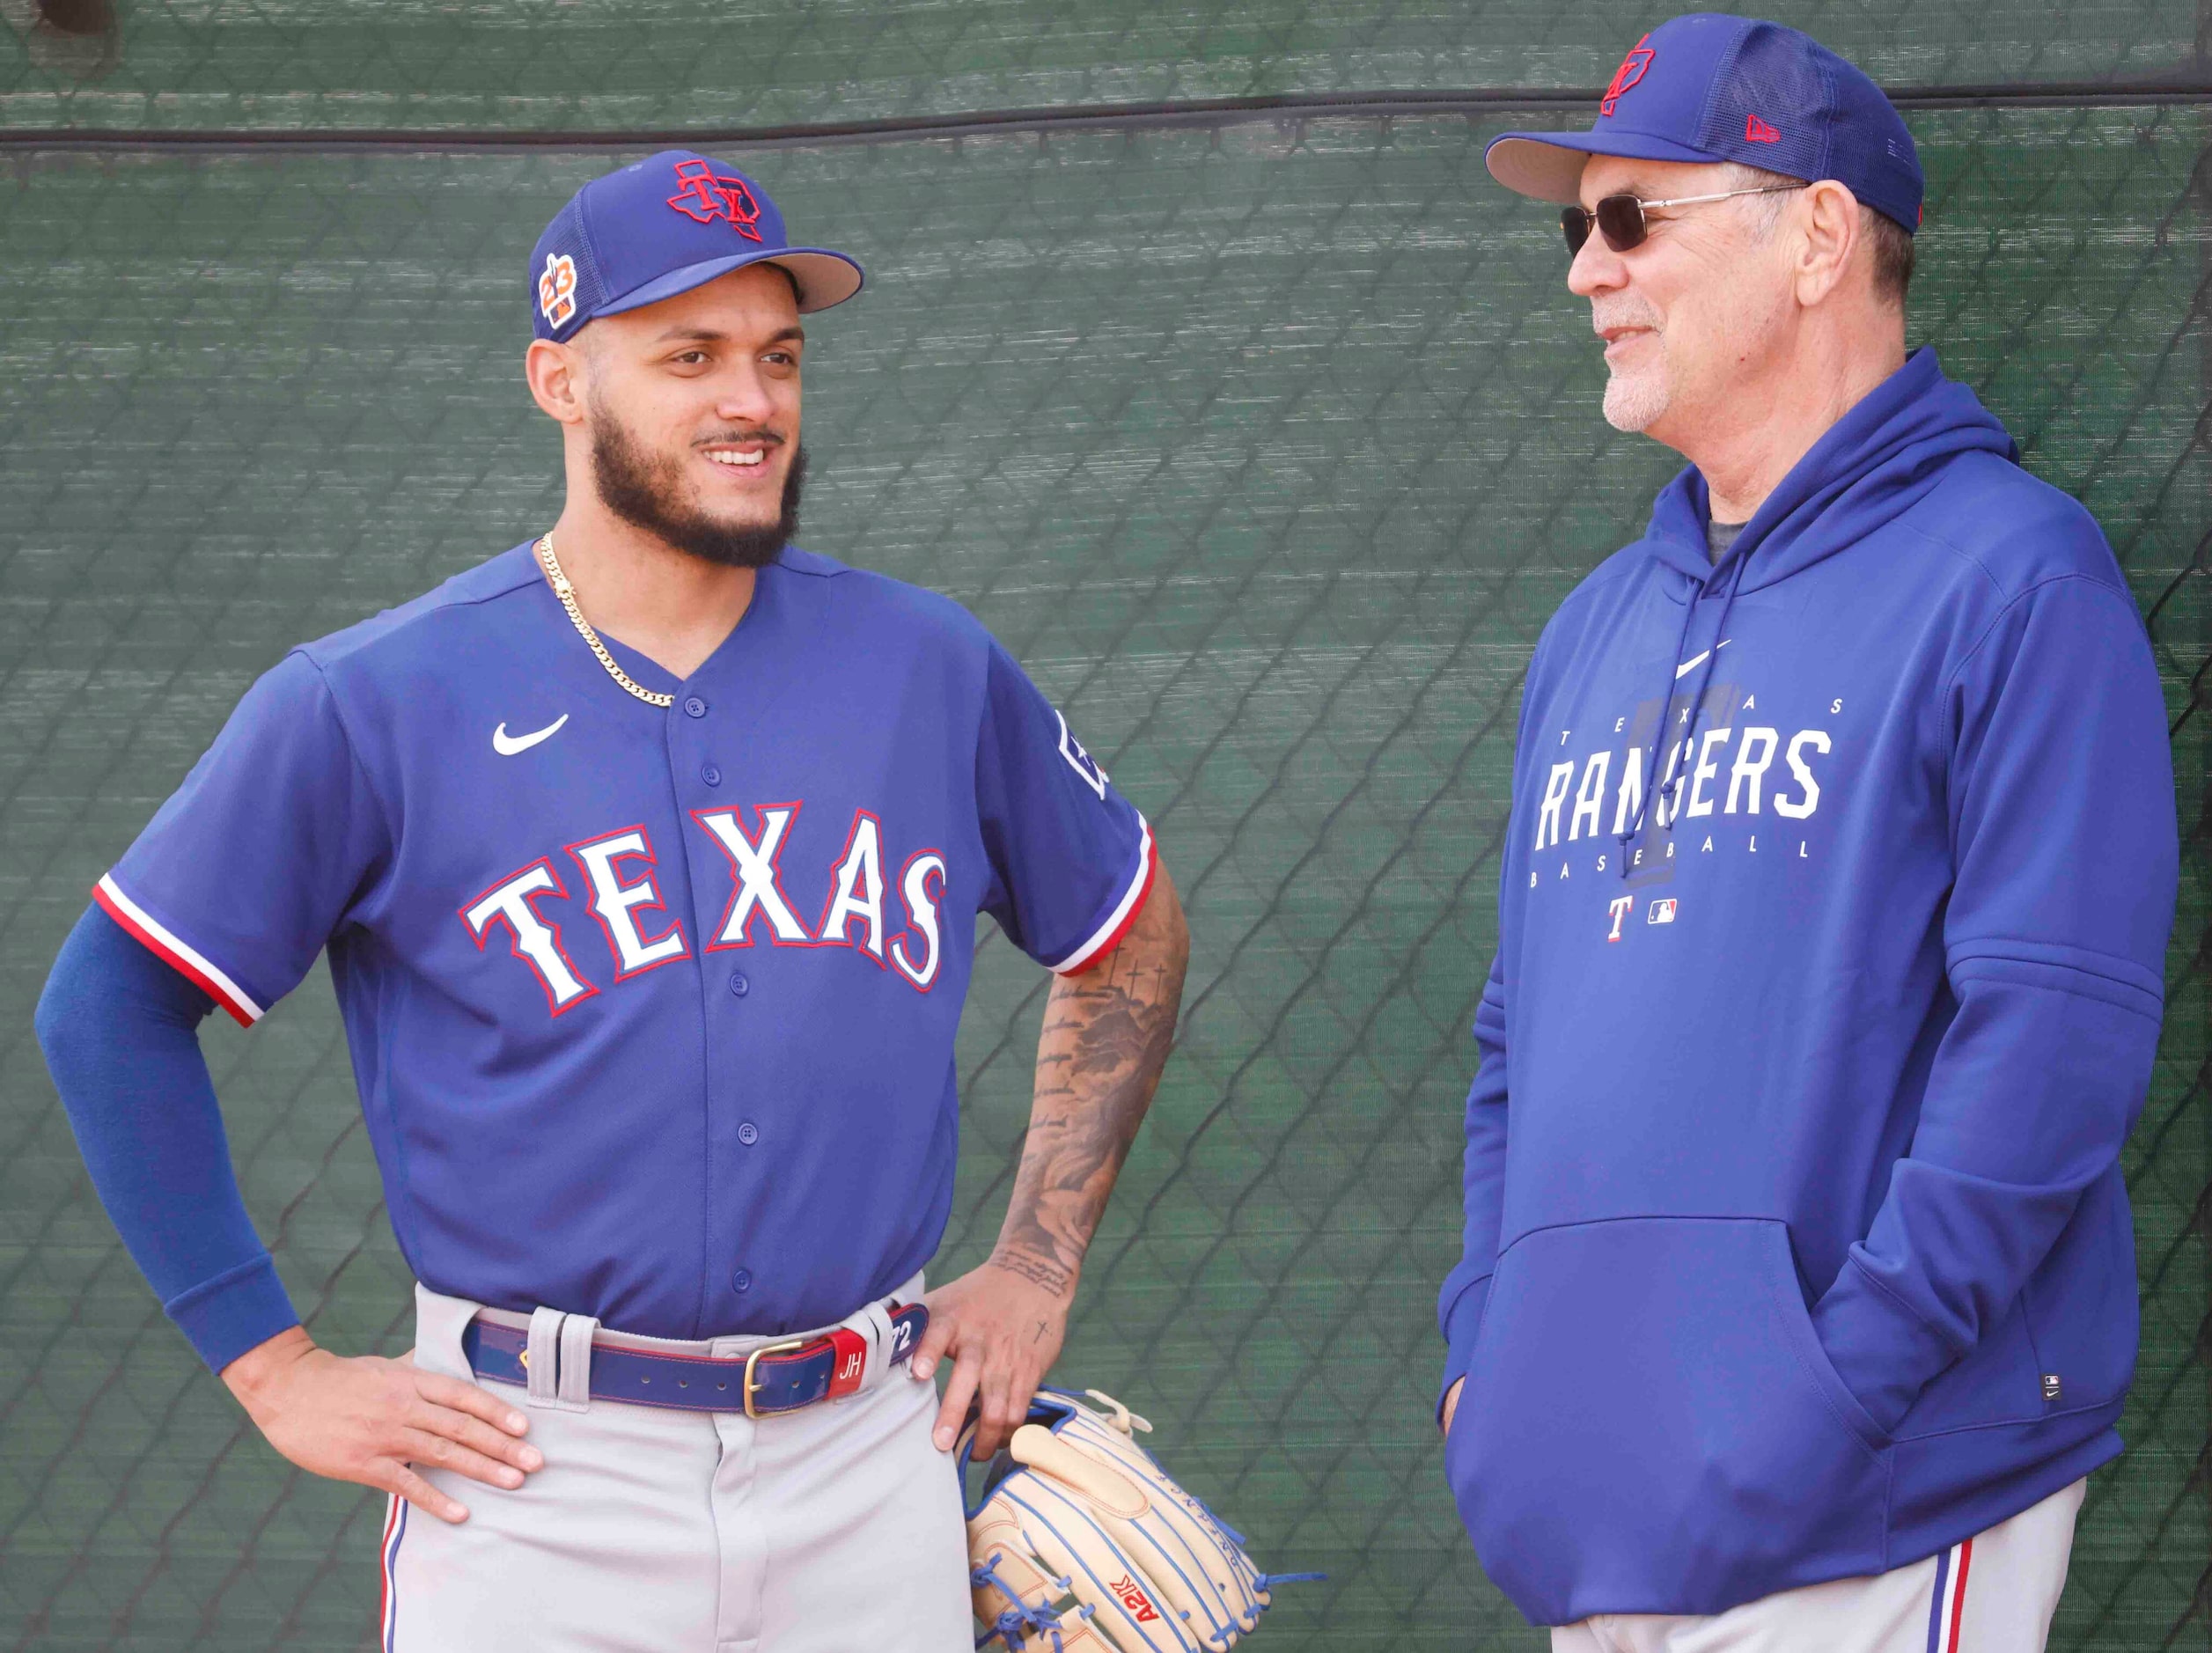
[(1620, 220)]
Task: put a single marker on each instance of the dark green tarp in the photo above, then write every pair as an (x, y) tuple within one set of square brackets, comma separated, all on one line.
[(1267, 445)]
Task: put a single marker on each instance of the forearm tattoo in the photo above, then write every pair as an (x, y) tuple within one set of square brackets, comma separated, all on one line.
[(1107, 1037)]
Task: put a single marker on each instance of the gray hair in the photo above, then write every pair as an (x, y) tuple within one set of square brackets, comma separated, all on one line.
[(1893, 244)]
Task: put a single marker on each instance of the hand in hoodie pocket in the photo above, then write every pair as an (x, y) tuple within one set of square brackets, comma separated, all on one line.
[(1649, 1401)]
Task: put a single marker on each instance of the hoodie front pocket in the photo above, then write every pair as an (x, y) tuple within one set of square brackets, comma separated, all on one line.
[(1650, 1425)]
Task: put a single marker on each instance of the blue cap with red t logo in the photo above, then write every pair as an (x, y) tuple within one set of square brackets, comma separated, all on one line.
[(671, 223), (1711, 87)]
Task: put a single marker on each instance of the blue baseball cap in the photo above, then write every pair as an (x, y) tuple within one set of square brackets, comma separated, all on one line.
[(1712, 87), (673, 221)]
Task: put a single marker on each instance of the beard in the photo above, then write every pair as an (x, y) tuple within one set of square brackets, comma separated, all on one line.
[(645, 491), (1635, 401), (1637, 398)]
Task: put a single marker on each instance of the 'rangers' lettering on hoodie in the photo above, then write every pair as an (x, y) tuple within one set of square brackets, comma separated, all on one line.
[(1724, 770)]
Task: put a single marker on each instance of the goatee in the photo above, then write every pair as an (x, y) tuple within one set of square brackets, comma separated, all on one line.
[(643, 492), (1634, 402)]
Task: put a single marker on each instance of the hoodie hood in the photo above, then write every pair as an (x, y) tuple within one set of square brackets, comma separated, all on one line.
[(1870, 465), (1867, 467)]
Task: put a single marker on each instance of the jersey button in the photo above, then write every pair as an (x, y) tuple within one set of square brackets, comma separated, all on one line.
[(748, 1133), (711, 775), (742, 1280), (739, 985), (693, 707)]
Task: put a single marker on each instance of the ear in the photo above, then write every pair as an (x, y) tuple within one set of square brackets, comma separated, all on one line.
[(1826, 215), (555, 373)]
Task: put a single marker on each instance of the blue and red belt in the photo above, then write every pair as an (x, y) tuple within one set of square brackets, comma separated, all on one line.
[(772, 1378)]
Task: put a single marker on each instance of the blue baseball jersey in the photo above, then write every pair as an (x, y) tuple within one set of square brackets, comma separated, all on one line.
[(651, 1011)]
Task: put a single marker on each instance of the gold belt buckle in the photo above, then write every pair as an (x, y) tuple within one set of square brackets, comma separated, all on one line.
[(753, 1359)]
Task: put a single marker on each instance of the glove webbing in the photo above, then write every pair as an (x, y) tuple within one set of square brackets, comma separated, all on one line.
[(1021, 1617)]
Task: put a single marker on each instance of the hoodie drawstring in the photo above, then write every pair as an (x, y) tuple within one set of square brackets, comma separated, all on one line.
[(1697, 702)]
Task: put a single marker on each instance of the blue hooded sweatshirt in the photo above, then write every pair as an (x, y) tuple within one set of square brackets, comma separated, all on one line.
[(1796, 1242)]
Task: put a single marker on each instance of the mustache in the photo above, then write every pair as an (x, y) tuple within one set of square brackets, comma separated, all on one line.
[(1623, 311), (772, 437)]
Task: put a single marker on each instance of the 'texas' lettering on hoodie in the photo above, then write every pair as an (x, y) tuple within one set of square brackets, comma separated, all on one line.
[(1832, 930)]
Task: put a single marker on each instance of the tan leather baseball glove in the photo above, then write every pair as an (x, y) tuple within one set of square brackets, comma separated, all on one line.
[(1082, 1543)]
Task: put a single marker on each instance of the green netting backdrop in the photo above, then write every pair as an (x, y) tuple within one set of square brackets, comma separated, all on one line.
[(1267, 447)]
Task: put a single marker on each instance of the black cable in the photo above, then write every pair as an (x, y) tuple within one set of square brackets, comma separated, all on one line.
[(1201, 112)]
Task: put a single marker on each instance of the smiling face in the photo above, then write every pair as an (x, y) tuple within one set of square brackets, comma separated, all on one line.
[(1692, 314), (693, 413)]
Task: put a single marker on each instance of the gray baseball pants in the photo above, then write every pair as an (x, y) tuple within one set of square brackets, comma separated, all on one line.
[(649, 1530), (1993, 1593)]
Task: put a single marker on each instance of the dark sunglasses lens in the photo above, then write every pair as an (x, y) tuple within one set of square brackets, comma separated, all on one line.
[(1576, 223), (1620, 221)]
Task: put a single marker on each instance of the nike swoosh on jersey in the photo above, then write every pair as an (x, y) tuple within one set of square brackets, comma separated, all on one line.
[(1697, 660), (506, 744)]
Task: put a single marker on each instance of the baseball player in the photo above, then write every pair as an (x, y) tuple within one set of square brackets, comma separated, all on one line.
[(646, 856), (1799, 1294)]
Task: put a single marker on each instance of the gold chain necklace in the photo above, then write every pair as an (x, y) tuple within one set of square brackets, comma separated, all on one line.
[(566, 592)]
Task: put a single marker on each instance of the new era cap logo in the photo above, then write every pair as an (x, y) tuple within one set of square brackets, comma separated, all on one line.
[(556, 288), (1757, 131), (1631, 70), (704, 198)]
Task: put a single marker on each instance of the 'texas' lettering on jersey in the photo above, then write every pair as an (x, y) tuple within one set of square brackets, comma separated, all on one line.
[(617, 883), (1727, 764)]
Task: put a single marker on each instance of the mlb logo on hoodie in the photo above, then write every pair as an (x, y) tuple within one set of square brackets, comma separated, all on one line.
[(1662, 912)]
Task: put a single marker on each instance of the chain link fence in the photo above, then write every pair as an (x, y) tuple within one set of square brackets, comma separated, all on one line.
[(1269, 445)]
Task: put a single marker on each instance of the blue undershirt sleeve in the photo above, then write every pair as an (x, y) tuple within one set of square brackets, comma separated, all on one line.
[(119, 1028)]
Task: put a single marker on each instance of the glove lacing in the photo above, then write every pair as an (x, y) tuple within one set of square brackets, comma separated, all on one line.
[(1021, 1620)]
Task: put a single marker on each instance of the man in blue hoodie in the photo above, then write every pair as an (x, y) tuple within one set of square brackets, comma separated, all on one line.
[(1798, 1294)]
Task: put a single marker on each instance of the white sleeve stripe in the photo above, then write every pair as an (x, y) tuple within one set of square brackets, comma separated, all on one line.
[(1110, 930), (179, 952)]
